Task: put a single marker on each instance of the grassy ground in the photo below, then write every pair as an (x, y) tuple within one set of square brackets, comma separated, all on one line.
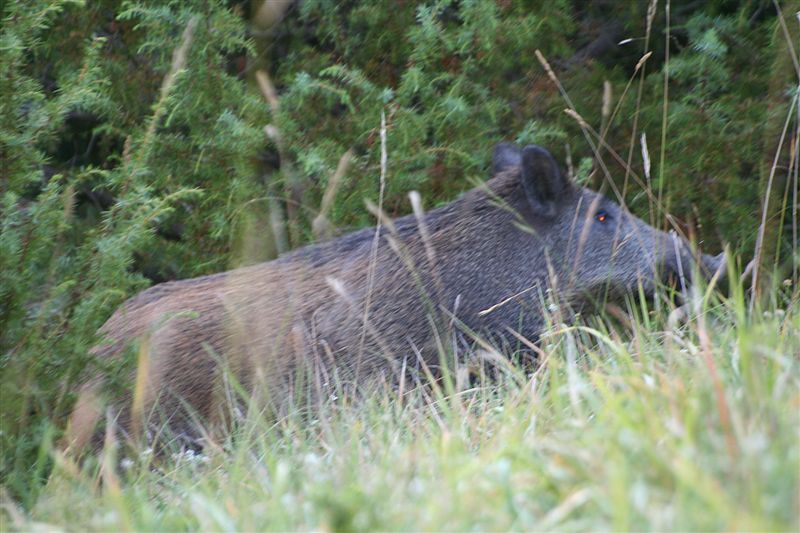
[(629, 424)]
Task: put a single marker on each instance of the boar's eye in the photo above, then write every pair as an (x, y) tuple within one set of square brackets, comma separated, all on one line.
[(601, 216)]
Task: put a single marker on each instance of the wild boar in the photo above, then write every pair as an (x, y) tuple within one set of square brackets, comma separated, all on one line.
[(369, 304)]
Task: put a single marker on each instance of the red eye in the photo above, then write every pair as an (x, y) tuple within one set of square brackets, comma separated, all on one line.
[(601, 216)]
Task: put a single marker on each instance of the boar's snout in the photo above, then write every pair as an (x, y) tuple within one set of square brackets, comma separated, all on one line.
[(681, 263), (711, 264)]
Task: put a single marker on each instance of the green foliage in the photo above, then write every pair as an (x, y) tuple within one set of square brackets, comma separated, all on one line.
[(81, 231), (464, 75), (444, 74), (124, 164), (716, 127)]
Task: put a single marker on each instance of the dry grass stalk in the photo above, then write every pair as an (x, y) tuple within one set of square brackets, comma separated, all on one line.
[(706, 351), (292, 189), (178, 64), (376, 239), (321, 225), (268, 90), (762, 228)]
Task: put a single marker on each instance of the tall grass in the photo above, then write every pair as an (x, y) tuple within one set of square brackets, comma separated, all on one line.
[(634, 422)]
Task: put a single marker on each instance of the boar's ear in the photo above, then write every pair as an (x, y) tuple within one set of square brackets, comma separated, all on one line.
[(505, 156), (542, 179)]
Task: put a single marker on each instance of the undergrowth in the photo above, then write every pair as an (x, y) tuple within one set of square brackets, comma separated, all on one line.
[(631, 423)]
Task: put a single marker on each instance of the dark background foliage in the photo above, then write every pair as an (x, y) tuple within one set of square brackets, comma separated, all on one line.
[(126, 164)]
